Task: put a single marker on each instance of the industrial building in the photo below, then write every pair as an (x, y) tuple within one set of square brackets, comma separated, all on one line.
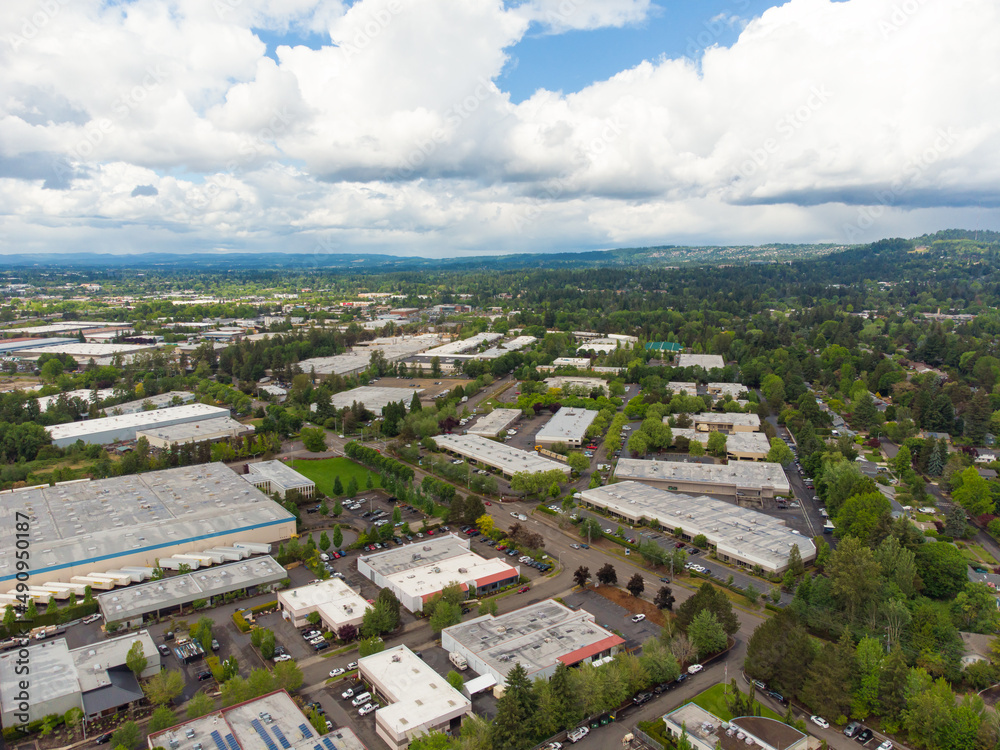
[(576, 384), (498, 456), (538, 637), (125, 426), (336, 602), (691, 389), (416, 572), (275, 477), (726, 389), (265, 723), (419, 699), (604, 345), (740, 480), (85, 527), (568, 425), (705, 361), (86, 395), (463, 346), (728, 422), (84, 352), (740, 446), (739, 536), (582, 363), (93, 678), (358, 358), (492, 424), (374, 398), (706, 731), (130, 606), (204, 430), (159, 401)]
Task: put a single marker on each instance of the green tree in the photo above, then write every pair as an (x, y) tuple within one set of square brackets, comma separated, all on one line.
[(73, 719), (162, 718), (338, 487), (445, 615), (773, 388), (164, 686), (578, 462), (827, 686), (338, 537), (974, 609), (779, 652), (455, 679), (974, 493), (869, 657), (706, 633), (566, 710), (314, 439), (287, 676), (324, 542), (433, 741), (860, 515), (659, 663), (717, 444), (136, 659), (514, 724), (710, 598), (127, 735), (903, 460), (696, 448), (199, 705), (943, 570), (352, 486), (855, 575), (779, 452)]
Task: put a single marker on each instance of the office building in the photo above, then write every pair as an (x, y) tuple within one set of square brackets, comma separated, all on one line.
[(275, 477), (706, 731), (498, 456), (568, 426), (495, 423), (336, 602), (748, 480)]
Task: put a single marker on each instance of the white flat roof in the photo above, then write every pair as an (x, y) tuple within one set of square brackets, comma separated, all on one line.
[(707, 361), (736, 531), (572, 362), (498, 455), (84, 394), (737, 442), (567, 424), (464, 345), (417, 694), (203, 429), (743, 474), (136, 420), (734, 418), (360, 356), (280, 474), (84, 351), (678, 385), (732, 389), (79, 522), (561, 381), (489, 425), (333, 597), (375, 398)]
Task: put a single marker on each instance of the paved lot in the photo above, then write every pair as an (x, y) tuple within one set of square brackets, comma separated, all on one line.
[(612, 617)]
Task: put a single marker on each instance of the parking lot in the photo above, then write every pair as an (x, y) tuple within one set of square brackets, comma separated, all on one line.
[(612, 617)]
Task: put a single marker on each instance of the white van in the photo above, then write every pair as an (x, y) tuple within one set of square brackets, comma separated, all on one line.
[(360, 700)]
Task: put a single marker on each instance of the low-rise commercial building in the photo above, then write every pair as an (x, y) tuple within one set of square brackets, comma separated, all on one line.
[(691, 389), (498, 456), (90, 527), (726, 389), (740, 446), (125, 426), (374, 398), (416, 572), (205, 430), (269, 722), (336, 602), (740, 536), (420, 700), (737, 480), (492, 424), (728, 422), (132, 605), (538, 637), (705, 361), (577, 384), (568, 425), (93, 678), (582, 363), (275, 477), (706, 731), (358, 358)]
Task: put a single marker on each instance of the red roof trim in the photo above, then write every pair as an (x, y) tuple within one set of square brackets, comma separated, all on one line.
[(503, 575), (574, 657)]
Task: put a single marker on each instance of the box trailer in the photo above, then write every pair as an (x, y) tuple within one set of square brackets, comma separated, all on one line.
[(101, 584), (143, 573), (255, 548), (229, 553)]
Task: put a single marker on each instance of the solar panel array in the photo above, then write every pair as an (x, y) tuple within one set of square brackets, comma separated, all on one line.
[(259, 728), (306, 734), (329, 744), (281, 736), (231, 741), (217, 738)]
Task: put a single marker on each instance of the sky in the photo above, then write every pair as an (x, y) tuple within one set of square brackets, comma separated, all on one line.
[(446, 128)]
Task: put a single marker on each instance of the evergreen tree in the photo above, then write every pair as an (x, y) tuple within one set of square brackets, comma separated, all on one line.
[(827, 689), (566, 708), (338, 487), (415, 403), (514, 725), (352, 487)]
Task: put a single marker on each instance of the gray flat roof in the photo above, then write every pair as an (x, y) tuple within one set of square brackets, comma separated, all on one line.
[(427, 551), (78, 522), (137, 600), (375, 398), (86, 351), (535, 636), (159, 401), (9, 347), (465, 345), (490, 425), (203, 429), (740, 474), (498, 455), (280, 474), (708, 361), (360, 356), (733, 418), (53, 674), (140, 420), (737, 531), (737, 442), (567, 424)]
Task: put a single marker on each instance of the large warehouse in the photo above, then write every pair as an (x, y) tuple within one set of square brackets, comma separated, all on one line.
[(359, 357), (739, 479), (85, 527), (204, 430), (492, 424), (498, 456), (374, 398), (419, 700), (538, 637), (706, 361), (416, 572), (740, 536), (93, 678), (567, 426), (125, 426)]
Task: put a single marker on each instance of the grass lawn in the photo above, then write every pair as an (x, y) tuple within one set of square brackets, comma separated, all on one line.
[(714, 700), (977, 554), (325, 470), (925, 518)]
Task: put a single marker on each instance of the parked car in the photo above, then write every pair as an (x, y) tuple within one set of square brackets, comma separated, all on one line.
[(523, 589), (864, 735), (349, 693), (852, 729), (642, 698), (104, 738), (886, 745), (164, 651), (366, 709), (202, 676), (638, 618), (337, 672), (819, 721), (577, 734), (695, 668), (282, 657), (778, 697), (91, 618), (352, 665)]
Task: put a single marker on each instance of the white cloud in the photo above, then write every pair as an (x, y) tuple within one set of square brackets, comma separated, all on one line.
[(824, 121)]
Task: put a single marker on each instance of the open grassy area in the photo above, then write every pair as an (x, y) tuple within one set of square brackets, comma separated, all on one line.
[(324, 471), (714, 700), (975, 553)]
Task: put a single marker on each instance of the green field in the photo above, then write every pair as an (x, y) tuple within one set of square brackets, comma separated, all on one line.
[(324, 471), (714, 700)]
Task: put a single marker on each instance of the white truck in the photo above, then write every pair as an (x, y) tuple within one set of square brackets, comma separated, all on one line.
[(458, 660)]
